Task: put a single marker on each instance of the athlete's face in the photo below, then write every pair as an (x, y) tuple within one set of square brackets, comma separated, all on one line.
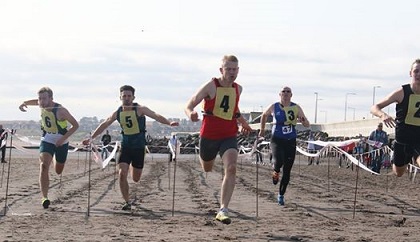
[(286, 92), (229, 71), (44, 100), (415, 72), (127, 98)]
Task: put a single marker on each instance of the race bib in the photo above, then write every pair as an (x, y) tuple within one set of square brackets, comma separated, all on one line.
[(291, 114), (287, 129), (129, 123), (48, 122), (413, 111), (225, 103)]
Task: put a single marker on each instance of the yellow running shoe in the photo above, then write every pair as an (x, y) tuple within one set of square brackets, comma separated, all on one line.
[(223, 217), (126, 206), (45, 202)]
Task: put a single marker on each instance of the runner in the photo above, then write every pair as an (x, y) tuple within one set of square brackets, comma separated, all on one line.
[(283, 140), (132, 119), (219, 128), (55, 134)]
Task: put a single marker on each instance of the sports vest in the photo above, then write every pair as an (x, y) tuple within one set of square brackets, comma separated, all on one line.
[(133, 127), (285, 119), (407, 119), (221, 112), (50, 123)]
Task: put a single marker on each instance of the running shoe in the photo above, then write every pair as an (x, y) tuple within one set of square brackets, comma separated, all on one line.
[(126, 206), (280, 200), (45, 202), (223, 217), (275, 177)]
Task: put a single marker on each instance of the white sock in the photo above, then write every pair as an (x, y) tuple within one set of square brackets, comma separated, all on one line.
[(225, 210)]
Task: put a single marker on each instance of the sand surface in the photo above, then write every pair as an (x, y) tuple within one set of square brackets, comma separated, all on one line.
[(320, 203)]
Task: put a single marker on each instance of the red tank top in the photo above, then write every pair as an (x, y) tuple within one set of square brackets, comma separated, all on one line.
[(220, 113)]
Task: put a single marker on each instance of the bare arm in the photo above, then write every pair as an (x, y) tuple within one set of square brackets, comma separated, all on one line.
[(202, 93), (25, 104), (246, 129), (101, 127), (105, 124), (149, 113), (64, 114), (302, 118), (264, 117), (395, 97)]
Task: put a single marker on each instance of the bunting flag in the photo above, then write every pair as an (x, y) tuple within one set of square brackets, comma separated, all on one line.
[(4, 133), (305, 153), (373, 143), (28, 140), (340, 146), (35, 144), (175, 150), (257, 141), (26, 150), (249, 151), (242, 149), (73, 150), (354, 160), (25, 139), (97, 157), (4, 141), (334, 143), (172, 149)]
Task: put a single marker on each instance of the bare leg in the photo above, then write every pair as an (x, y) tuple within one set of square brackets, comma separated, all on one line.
[(136, 174), (228, 185), (123, 174), (399, 171), (44, 178), (207, 165), (59, 167), (418, 161)]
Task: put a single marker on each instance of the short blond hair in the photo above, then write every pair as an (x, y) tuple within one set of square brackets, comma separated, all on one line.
[(230, 58)]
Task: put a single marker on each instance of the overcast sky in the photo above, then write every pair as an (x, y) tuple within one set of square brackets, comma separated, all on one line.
[(85, 50)]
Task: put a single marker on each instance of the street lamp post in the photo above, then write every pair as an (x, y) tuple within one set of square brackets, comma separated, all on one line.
[(373, 98), (345, 105)]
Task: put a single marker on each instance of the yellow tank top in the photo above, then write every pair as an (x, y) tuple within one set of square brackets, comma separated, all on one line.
[(50, 124)]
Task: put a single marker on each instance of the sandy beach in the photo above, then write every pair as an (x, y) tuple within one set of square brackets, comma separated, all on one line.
[(320, 203)]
